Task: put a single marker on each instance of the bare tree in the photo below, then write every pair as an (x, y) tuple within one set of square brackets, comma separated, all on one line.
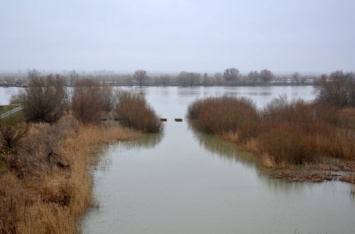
[(43, 99), (338, 89), (218, 76), (141, 77), (231, 74), (33, 73), (266, 75), (253, 77), (296, 77), (194, 78), (206, 80), (182, 78), (188, 78), (164, 80)]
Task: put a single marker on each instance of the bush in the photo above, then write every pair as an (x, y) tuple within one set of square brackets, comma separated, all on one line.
[(12, 131), (43, 99), (293, 132), (134, 112), (287, 143), (90, 99), (225, 115), (309, 117), (337, 90)]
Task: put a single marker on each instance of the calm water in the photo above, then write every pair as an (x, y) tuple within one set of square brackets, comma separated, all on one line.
[(5, 94), (185, 182)]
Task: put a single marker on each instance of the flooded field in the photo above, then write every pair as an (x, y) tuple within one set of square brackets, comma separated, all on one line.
[(186, 182)]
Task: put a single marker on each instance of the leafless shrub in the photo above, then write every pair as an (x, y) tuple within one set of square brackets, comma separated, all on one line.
[(225, 115), (134, 112), (90, 99), (12, 131), (231, 74), (188, 78), (43, 99), (337, 90)]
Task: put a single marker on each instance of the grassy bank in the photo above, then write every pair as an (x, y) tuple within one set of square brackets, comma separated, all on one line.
[(45, 183), (6, 108), (285, 134)]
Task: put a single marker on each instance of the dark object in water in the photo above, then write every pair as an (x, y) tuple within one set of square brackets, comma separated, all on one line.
[(178, 120)]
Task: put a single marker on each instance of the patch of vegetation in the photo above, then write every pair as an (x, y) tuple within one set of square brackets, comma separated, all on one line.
[(225, 115), (12, 131), (47, 184), (285, 132), (134, 112), (6, 108)]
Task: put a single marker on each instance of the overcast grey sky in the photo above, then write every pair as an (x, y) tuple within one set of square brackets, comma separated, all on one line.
[(168, 35)]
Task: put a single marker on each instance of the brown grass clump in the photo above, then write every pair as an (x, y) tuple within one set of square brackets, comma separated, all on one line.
[(233, 118), (268, 161), (48, 183), (252, 145), (134, 112), (287, 143), (288, 132)]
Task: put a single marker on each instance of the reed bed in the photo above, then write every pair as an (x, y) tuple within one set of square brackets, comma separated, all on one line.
[(284, 132), (233, 118), (134, 112), (47, 184)]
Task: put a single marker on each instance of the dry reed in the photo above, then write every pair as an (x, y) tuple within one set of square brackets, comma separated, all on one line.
[(287, 132), (48, 184)]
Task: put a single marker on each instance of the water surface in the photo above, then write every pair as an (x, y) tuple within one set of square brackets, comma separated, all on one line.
[(186, 182)]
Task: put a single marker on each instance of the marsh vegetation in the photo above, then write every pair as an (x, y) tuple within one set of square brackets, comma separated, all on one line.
[(288, 132), (47, 150)]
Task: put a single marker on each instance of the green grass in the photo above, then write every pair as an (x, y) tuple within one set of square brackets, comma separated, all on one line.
[(6, 108), (17, 115)]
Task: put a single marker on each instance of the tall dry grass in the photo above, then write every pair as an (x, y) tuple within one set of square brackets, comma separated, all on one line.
[(48, 184), (234, 118), (285, 131), (134, 112)]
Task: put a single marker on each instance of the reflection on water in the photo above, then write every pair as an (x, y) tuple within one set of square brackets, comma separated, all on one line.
[(265, 93), (224, 149), (191, 91), (186, 182), (145, 141)]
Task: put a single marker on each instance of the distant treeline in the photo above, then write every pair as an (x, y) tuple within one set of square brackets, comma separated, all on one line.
[(229, 77)]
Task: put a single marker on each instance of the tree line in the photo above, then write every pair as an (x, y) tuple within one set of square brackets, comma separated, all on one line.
[(228, 77)]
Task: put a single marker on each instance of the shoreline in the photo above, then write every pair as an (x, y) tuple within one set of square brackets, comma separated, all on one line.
[(46, 186)]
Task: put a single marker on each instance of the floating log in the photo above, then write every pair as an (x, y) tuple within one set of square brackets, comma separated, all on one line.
[(163, 119), (178, 120)]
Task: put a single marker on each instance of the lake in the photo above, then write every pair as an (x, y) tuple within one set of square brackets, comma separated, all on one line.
[(186, 182), (5, 94), (182, 181)]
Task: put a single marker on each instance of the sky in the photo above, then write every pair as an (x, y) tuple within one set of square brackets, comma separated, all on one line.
[(307, 36)]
